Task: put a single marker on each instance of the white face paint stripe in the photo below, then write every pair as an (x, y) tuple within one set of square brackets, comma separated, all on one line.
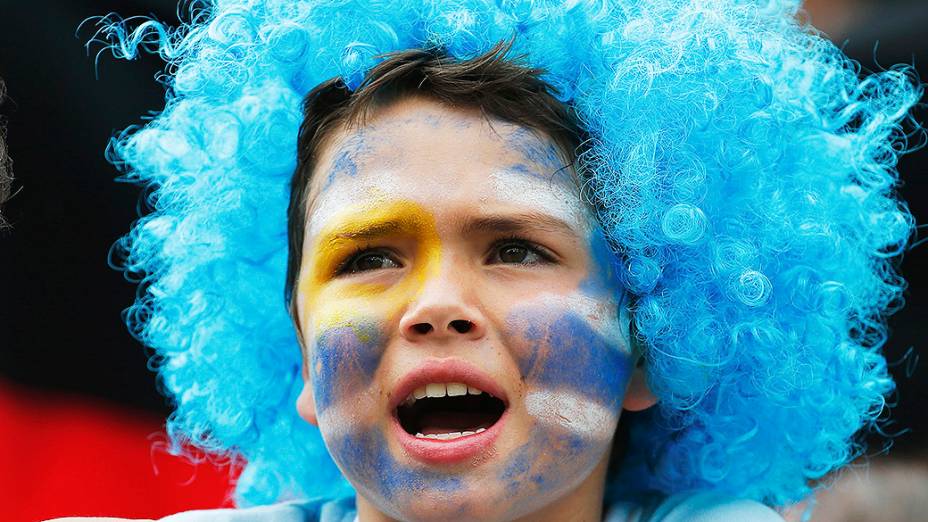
[(343, 417), (608, 322), (552, 197), (372, 190), (572, 412)]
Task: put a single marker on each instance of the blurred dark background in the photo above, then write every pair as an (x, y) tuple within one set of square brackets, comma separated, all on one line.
[(60, 303), (60, 325), (81, 422)]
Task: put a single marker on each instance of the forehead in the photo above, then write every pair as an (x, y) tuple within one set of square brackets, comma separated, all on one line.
[(420, 150)]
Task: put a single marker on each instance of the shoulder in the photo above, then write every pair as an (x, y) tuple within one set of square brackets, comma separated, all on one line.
[(341, 510), (704, 506)]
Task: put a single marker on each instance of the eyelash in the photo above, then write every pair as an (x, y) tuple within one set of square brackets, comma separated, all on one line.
[(545, 255), (343, 267)]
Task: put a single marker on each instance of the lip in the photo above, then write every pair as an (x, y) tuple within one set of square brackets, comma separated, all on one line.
[(432, 451)]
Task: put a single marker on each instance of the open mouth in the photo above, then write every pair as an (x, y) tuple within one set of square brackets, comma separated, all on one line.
[(448, 411)]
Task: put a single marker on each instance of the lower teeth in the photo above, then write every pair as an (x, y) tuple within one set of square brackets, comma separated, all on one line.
[(449, 436)]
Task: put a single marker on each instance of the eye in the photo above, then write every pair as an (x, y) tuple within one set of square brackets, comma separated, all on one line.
[(518, 252), (367, 260)]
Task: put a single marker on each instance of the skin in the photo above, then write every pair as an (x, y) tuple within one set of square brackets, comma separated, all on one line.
[(430, 214)]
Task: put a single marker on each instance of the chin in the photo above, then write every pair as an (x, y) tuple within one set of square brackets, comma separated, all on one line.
[(482, 503), (508, 489)]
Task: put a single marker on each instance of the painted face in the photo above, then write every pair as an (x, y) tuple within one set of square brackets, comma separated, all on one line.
[(466, 352)]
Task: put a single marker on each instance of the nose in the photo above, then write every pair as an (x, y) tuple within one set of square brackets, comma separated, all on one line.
[(444, 309)]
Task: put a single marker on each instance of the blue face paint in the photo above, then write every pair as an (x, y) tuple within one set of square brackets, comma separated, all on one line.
[(345, 162), (559, 352), (429, 119), (536, 150), (544, 174), (365, 457), (605, 269), (520, 463), (567, 352), (522, 168), (344, 360), (534, 465)]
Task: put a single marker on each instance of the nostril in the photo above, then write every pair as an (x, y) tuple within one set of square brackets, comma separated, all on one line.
[(422, 328), (461, 326)]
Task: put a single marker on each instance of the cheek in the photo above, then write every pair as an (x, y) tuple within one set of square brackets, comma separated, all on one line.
[(574, 382), (562, 356), (344, 360)]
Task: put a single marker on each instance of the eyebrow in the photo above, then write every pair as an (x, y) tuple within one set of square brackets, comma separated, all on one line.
[(366, 232), (499, 223), (516, 223)]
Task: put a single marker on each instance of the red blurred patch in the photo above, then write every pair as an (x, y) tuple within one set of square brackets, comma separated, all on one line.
[(67, 456)]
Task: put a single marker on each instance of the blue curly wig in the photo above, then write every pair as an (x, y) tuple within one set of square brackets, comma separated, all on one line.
[(744, 171)]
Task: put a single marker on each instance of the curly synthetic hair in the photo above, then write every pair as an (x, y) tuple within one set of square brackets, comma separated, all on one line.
[(493, 83), (747, 180)]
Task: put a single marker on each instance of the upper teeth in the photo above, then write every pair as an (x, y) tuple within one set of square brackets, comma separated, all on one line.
[(440, 389), (448, 436)]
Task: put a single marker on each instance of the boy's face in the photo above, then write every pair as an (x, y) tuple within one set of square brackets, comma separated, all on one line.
[(444, 258)]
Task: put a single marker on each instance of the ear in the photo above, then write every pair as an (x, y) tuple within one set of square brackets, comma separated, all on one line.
[(306, 403), (638, 394)]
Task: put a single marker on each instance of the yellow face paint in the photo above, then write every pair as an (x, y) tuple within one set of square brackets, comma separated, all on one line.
[(332, 301)]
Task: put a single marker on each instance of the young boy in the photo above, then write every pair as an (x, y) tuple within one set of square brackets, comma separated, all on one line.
[(485, 258), (466, 351)]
